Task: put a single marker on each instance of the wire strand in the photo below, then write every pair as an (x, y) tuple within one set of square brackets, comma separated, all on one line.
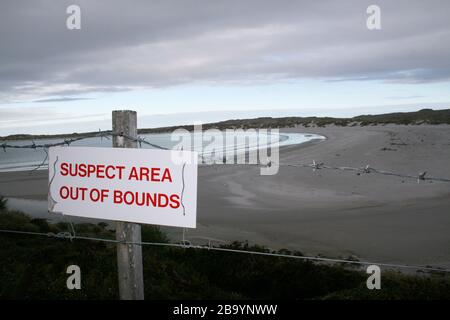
[(421, 176), (315, 166), (68, 235)]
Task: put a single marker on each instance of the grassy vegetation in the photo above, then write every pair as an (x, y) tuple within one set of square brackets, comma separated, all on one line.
[(3, 203), (428, 116), (33, 267), (424, 116)]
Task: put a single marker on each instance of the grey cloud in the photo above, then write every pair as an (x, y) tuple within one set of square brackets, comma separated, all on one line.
[(125, 45), (62, 99)]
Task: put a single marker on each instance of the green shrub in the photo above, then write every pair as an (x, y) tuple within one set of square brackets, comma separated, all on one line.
[(3, 203), (34, 267)]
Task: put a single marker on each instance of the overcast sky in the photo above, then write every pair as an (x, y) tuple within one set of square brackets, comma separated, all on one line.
[(185, 60)]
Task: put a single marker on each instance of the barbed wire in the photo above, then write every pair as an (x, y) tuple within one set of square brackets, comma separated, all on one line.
[(209, 247), (67, 142), (421, 176), (366, 169), (186, 244)]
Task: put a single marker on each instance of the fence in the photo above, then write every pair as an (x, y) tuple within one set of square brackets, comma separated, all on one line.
[(366, 169)]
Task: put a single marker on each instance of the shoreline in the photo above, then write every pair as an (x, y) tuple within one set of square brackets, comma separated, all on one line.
[(415, 118), (332, 213), (15, 162)]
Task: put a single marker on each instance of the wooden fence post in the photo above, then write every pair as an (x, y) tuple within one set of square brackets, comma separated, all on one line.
[(129, 256)]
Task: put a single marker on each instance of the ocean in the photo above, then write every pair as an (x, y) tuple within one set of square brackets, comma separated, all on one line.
[(206, 144)]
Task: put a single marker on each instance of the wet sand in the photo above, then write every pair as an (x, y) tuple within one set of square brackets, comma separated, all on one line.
[(333, 213)]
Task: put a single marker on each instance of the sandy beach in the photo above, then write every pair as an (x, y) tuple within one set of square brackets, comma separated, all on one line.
[(328, 212)]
